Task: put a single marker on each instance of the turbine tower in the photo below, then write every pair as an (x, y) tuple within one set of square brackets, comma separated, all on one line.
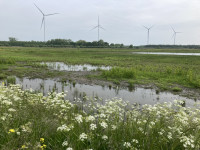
[(43, 19), (99, 27), (174, 35), (148, 30)]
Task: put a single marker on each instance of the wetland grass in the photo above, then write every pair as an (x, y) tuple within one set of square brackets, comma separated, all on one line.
[(142, 69)]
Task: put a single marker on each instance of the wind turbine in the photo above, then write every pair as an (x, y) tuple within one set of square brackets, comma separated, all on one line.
[(43, 18), (148, 30), (174, 35), (99, 27)]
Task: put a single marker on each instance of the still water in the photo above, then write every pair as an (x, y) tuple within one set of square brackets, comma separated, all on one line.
[(163, 53), (137, 95), (64, 67)]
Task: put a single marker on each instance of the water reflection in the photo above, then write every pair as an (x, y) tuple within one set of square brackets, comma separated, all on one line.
[(136, 95), (164, 53), (64, 67)]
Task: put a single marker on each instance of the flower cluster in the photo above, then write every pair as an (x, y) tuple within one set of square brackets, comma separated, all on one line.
[(26, 116)]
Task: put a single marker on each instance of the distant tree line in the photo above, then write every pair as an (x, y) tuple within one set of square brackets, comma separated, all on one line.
[(84, 44), (62, 43)]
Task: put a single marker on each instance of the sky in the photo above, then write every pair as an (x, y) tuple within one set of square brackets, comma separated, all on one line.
[(123, 20)]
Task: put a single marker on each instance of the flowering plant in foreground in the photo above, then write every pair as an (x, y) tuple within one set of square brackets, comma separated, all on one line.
[(33, 121)]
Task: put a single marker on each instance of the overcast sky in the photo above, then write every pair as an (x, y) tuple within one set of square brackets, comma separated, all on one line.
[(122, 19)]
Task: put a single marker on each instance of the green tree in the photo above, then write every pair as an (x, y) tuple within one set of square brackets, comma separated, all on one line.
[(131, 46), (12, 39)]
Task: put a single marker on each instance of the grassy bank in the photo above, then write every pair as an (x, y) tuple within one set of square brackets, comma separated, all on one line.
[(32, 121), (164, 71)]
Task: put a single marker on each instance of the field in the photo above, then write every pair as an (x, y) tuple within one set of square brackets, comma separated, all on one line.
[(163, 71)]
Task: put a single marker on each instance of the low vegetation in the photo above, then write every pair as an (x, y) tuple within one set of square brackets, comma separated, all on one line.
[(32, 121), (163, 71)]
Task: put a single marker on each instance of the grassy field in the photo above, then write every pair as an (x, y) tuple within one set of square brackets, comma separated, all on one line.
[(166, 72), (32, 121)]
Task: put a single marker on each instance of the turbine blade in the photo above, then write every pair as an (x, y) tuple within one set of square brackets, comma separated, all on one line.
[(173, 29), (151, 26), (145, 27), (102, 27), (94, 28), (51, 14), (38, 8), (42, 22)]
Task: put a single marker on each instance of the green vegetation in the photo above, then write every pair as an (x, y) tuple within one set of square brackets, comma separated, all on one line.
[(160, 70), (176, 89), (32, 121), (11, 80), (119, 73)]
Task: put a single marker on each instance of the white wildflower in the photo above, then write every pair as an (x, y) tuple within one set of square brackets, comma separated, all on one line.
[(169, 135), (65, 143), (135, 141), (113, 127), (83, 136), (104, 125), (93, 126), (3, 118), (104, 137), (11, 110), (127, 144), (102, 115), (90, 118), (79, 119), (64, 127)]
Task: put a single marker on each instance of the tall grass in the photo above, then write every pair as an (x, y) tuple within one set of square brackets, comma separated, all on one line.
[(32, 121), (171, 74), (7, 61), (11, 80), (120, 73)]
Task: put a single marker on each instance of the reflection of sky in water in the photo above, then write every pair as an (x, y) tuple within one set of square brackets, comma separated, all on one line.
[(163, 53), (63, 67), (138, 95)]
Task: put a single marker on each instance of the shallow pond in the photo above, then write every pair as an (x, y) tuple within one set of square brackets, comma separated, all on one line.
[(163, 53), (64, 67), (137, 95)]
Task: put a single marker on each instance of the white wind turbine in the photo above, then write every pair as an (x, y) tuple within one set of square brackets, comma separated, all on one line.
[(99, 27), (148, 32), (43, 19), (174, 35)]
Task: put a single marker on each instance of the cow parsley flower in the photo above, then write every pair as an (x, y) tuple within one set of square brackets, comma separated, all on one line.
[(79, 119), (90, 118), (127, 144), (104, 125), (93, 126), (104, 137), (83, 136), (65, 143)]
